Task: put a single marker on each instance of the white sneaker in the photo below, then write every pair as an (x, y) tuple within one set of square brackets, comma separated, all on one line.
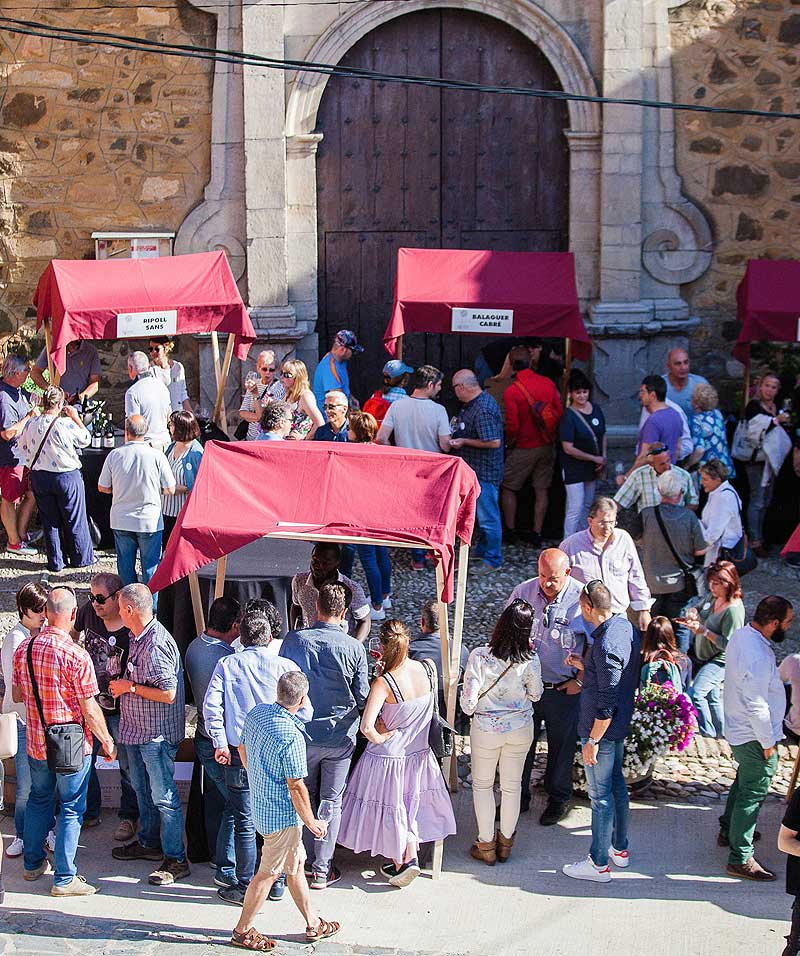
[(619, 857), (15, 848), (50, 842), (586, 870), (387, 603), (377, 614)]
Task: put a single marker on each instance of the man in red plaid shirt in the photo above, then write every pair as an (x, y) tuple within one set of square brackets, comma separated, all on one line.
[(67, 687)]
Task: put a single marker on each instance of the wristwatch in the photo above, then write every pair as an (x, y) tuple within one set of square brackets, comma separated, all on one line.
[(593, 742), (133, 688)]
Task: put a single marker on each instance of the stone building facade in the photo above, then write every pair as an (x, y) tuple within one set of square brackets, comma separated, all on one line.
[(661, 209)]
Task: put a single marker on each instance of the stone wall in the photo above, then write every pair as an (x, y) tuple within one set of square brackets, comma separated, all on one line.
[(743, 171), (95, 138)]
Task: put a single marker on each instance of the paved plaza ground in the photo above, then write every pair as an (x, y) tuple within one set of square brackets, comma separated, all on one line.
[(674, 899)]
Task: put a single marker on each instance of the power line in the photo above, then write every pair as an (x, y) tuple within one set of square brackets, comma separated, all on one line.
[(117, 41)]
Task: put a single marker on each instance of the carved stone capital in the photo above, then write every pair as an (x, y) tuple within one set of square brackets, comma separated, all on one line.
[(303, 144)]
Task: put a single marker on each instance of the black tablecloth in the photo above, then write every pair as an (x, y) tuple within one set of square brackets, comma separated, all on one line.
[(98, 506)]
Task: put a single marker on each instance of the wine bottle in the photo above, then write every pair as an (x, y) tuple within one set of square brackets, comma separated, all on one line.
[(97, 436), (108, 435)]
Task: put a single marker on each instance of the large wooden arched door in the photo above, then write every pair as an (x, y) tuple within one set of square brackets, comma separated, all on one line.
[(416, 166)]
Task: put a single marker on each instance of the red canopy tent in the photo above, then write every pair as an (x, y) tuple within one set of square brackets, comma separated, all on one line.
[(768, 304), (483, 292), (138, 298), (322, 491)]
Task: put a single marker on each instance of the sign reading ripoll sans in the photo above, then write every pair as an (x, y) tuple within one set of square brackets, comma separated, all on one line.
[(495, 321), (142, 325)]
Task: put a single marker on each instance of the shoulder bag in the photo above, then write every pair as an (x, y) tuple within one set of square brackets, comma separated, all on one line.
[(240, 432), (544, 414), (8, 736), (741, 555), (693, 574), (582, 421), (440, 733), (64, 742)]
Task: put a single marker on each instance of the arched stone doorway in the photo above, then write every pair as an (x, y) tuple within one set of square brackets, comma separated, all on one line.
[(426, 167)]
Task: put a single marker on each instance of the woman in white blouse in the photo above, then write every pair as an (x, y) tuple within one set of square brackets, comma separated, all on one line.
[(49, 446), (501, 681), (722, 516), (170, 372)]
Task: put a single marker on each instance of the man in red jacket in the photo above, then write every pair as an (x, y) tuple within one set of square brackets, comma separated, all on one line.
[(532, 412)]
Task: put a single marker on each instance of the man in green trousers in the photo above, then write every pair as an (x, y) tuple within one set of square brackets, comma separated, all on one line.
[(754, 703)]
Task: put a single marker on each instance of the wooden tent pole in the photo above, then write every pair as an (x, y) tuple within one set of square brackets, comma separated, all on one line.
[(746, 385), (53, 373), (220, 417), (219, 581), (455, 657), (197, 602), (444, 639), (567, 368)]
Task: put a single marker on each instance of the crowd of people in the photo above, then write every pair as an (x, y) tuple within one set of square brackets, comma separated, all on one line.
[(321, 736)]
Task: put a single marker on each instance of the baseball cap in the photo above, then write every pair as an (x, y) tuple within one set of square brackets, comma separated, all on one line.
[(348, 339), (395, 368)]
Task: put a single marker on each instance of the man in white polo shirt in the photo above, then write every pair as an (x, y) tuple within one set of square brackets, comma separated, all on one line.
[(148, 397), (136, 475)]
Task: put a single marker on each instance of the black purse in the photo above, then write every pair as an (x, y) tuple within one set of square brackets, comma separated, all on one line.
[(741, 555), (693, 574), (440, 733), (64, 742)]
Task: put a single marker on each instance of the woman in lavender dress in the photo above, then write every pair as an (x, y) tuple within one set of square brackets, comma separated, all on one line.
[(396, 797)]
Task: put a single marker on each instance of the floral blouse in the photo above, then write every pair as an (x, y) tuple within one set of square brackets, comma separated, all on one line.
[(507, 706), (708, 433)]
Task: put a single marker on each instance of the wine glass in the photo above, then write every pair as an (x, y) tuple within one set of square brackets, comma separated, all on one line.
[(375, 648), (250, 380), (325, 811), (454, 425)]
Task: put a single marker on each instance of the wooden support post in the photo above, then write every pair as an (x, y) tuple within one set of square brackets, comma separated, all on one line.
[(197, 602), (220, 416), (53, 373), (219, 581), (455, 656), (444, 638), (793, 778), (567, 368), (745, 385)]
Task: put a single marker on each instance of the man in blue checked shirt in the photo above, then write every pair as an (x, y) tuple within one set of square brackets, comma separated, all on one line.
[(240, 682), (273, 749)]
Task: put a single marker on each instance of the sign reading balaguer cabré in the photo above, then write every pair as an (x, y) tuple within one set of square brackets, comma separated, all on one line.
[(142, 325), (494, 321)]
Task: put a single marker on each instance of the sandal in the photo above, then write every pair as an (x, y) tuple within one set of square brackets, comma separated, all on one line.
[(323, 931), (254, 940)]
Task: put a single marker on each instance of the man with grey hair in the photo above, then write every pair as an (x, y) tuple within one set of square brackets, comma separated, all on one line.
[(136, 475), (273, 748), (259, 394), (99, 628), (16, 411), (148, 397), (276, 421), (66, 682), (152, 725), (240, 682), (610, 679), (335, 406), (672, 540), (478, 438)]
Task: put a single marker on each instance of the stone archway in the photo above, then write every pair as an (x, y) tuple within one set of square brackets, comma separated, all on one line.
[(583, 135)]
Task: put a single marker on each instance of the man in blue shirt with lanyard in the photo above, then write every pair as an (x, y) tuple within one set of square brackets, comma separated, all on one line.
[(331, 373)]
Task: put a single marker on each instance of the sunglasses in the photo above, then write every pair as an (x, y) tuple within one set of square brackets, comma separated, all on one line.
[(268, 368), (286, 375), (100, 599), (326, 406), (155, 348)]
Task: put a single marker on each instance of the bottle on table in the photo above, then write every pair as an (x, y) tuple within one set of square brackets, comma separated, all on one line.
[(108, 434), (97, 434)]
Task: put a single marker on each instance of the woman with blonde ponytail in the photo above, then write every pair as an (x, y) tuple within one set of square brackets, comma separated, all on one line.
[(396, 797)]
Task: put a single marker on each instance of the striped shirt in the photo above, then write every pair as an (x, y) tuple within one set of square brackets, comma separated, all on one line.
[(171, 504), (274, 392), (641, 489), (154, 661), (64, 676), (276, 752)]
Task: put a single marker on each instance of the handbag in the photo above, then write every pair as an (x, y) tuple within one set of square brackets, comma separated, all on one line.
[(64, 742), (693, 574), (741, 448), (8, 736), (240, 432), (741, 555), (440, 734)]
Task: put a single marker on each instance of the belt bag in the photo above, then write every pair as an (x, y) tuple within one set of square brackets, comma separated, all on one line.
[(64, 742)]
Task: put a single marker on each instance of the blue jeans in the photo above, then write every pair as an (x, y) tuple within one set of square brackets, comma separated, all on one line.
[(328, 768), (71, 789), (152, 770), (487, 512), (148, 545), (23, 771), (216, 804), (610, 804), (378, 569), (244, 829), (706, 694), (128, 808)]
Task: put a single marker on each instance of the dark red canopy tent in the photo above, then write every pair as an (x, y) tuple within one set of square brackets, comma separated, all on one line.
[(768, 304), (483, 292), (137, 298)]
